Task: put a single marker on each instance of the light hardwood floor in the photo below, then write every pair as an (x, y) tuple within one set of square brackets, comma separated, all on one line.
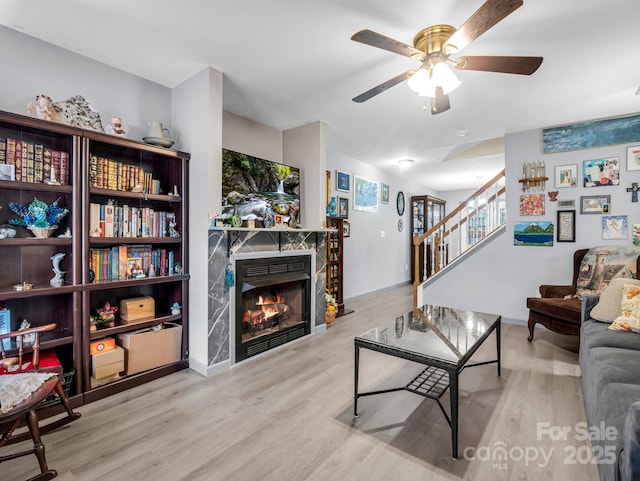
[(288, 416)]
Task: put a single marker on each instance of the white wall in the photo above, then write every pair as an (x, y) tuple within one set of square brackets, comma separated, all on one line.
[(501, 276), (31, 67), (373, 262), (252, 138), (306, 147), (197, 109)]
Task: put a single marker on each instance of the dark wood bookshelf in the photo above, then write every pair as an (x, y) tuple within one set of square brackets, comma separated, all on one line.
[(26, 259)]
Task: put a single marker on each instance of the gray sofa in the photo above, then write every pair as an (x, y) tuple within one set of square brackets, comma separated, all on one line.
[(610, 365)]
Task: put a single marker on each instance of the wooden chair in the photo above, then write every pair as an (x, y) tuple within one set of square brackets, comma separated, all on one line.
[(26, 410)]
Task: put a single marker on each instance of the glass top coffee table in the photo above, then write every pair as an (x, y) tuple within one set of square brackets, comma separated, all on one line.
[(441, 338)]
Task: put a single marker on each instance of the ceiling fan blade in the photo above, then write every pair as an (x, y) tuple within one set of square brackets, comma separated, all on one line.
[(440, 103), (516, 65), (482, 20), (368, 37), (383, 86)]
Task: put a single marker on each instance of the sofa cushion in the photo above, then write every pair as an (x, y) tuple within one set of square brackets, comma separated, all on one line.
[(612, 410), (629, 461), (608, 307), (565, 309), (598, 334), (602, 264)]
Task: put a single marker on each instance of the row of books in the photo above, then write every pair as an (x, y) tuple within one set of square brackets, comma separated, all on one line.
[(130, 262), (112, 220), (32, 162), (114, 175)]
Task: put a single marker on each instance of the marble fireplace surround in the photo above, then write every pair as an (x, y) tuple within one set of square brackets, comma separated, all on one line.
[(226, 246)]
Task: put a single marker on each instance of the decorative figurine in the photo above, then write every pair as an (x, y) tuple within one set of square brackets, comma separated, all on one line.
[(57, 280), (176, 309), (116, 127), (106, 315), (41, 108), (171, 220), (28, 338), (67, 234), (553, 195)]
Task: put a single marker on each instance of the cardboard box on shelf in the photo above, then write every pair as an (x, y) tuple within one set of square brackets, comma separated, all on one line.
[(107, 363), (149, 348)]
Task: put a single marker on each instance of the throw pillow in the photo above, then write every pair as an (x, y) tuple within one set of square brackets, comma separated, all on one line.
[(602, 264), (629, 318), (608, 306)]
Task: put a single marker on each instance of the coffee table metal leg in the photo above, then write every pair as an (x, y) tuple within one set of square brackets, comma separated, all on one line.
[(453, 393), (355, 383), (498, 345)]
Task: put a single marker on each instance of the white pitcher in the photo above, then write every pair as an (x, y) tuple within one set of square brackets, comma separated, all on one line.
[(156, 130)]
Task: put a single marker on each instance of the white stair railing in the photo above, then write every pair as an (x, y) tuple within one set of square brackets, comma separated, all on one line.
[(459, 231)]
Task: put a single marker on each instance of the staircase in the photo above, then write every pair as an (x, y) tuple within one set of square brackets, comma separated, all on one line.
[(467, 227)]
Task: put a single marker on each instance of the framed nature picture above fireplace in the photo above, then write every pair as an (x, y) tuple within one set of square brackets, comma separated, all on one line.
[(259, 190)]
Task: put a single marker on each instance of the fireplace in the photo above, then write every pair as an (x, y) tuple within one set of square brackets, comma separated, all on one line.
[(272, 303)]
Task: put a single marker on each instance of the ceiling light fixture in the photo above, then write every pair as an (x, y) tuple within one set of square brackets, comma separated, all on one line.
[(405, 162), (427, 78)]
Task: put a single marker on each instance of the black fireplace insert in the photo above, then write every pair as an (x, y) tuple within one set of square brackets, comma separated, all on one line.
[(273, 302)]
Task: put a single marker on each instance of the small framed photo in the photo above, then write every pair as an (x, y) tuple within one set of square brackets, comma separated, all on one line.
[(615, 227), (595, 204), (7, 172), (278, 219), (343, 207), (346, 228), (566, 230), (343, 181), (134, 268), (567, 204), (566, 176), (384, 196), (633, 157)]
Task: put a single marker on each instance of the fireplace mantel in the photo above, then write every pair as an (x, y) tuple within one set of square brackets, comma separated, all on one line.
[(225, 245)]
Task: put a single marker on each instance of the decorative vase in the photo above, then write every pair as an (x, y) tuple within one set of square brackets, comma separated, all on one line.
[(330, 315), (42, 232)]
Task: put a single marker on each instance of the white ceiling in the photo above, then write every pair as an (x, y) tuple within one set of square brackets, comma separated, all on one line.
[(290, 62)]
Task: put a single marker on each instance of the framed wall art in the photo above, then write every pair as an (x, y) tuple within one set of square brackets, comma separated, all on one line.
[(365, 194), (601, 172), (346, 229), (538, 233), (567, 204), (595, 204), (566, 221), (633, 157), (566, 176), (532, 204), (615, 227), (343, 181), (384, 196), (343, 207)]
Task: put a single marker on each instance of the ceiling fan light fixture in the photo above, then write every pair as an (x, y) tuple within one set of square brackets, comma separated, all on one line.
[(444, 77), (425, 81)]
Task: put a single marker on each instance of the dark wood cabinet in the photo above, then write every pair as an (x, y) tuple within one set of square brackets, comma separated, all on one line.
[(426, 211), (135, 180), (335, 265)]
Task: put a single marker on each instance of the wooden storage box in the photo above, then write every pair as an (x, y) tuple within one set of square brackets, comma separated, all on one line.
[(137, 309), (146, 349), (102, 345), (107, 363)]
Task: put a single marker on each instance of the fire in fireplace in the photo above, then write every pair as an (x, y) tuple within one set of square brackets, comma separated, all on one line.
[(272, 303)]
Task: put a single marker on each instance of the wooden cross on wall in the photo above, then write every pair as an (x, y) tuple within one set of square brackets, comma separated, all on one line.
[(634, 191)]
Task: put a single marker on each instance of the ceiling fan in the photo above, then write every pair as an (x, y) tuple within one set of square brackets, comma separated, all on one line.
[(434, 45)]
